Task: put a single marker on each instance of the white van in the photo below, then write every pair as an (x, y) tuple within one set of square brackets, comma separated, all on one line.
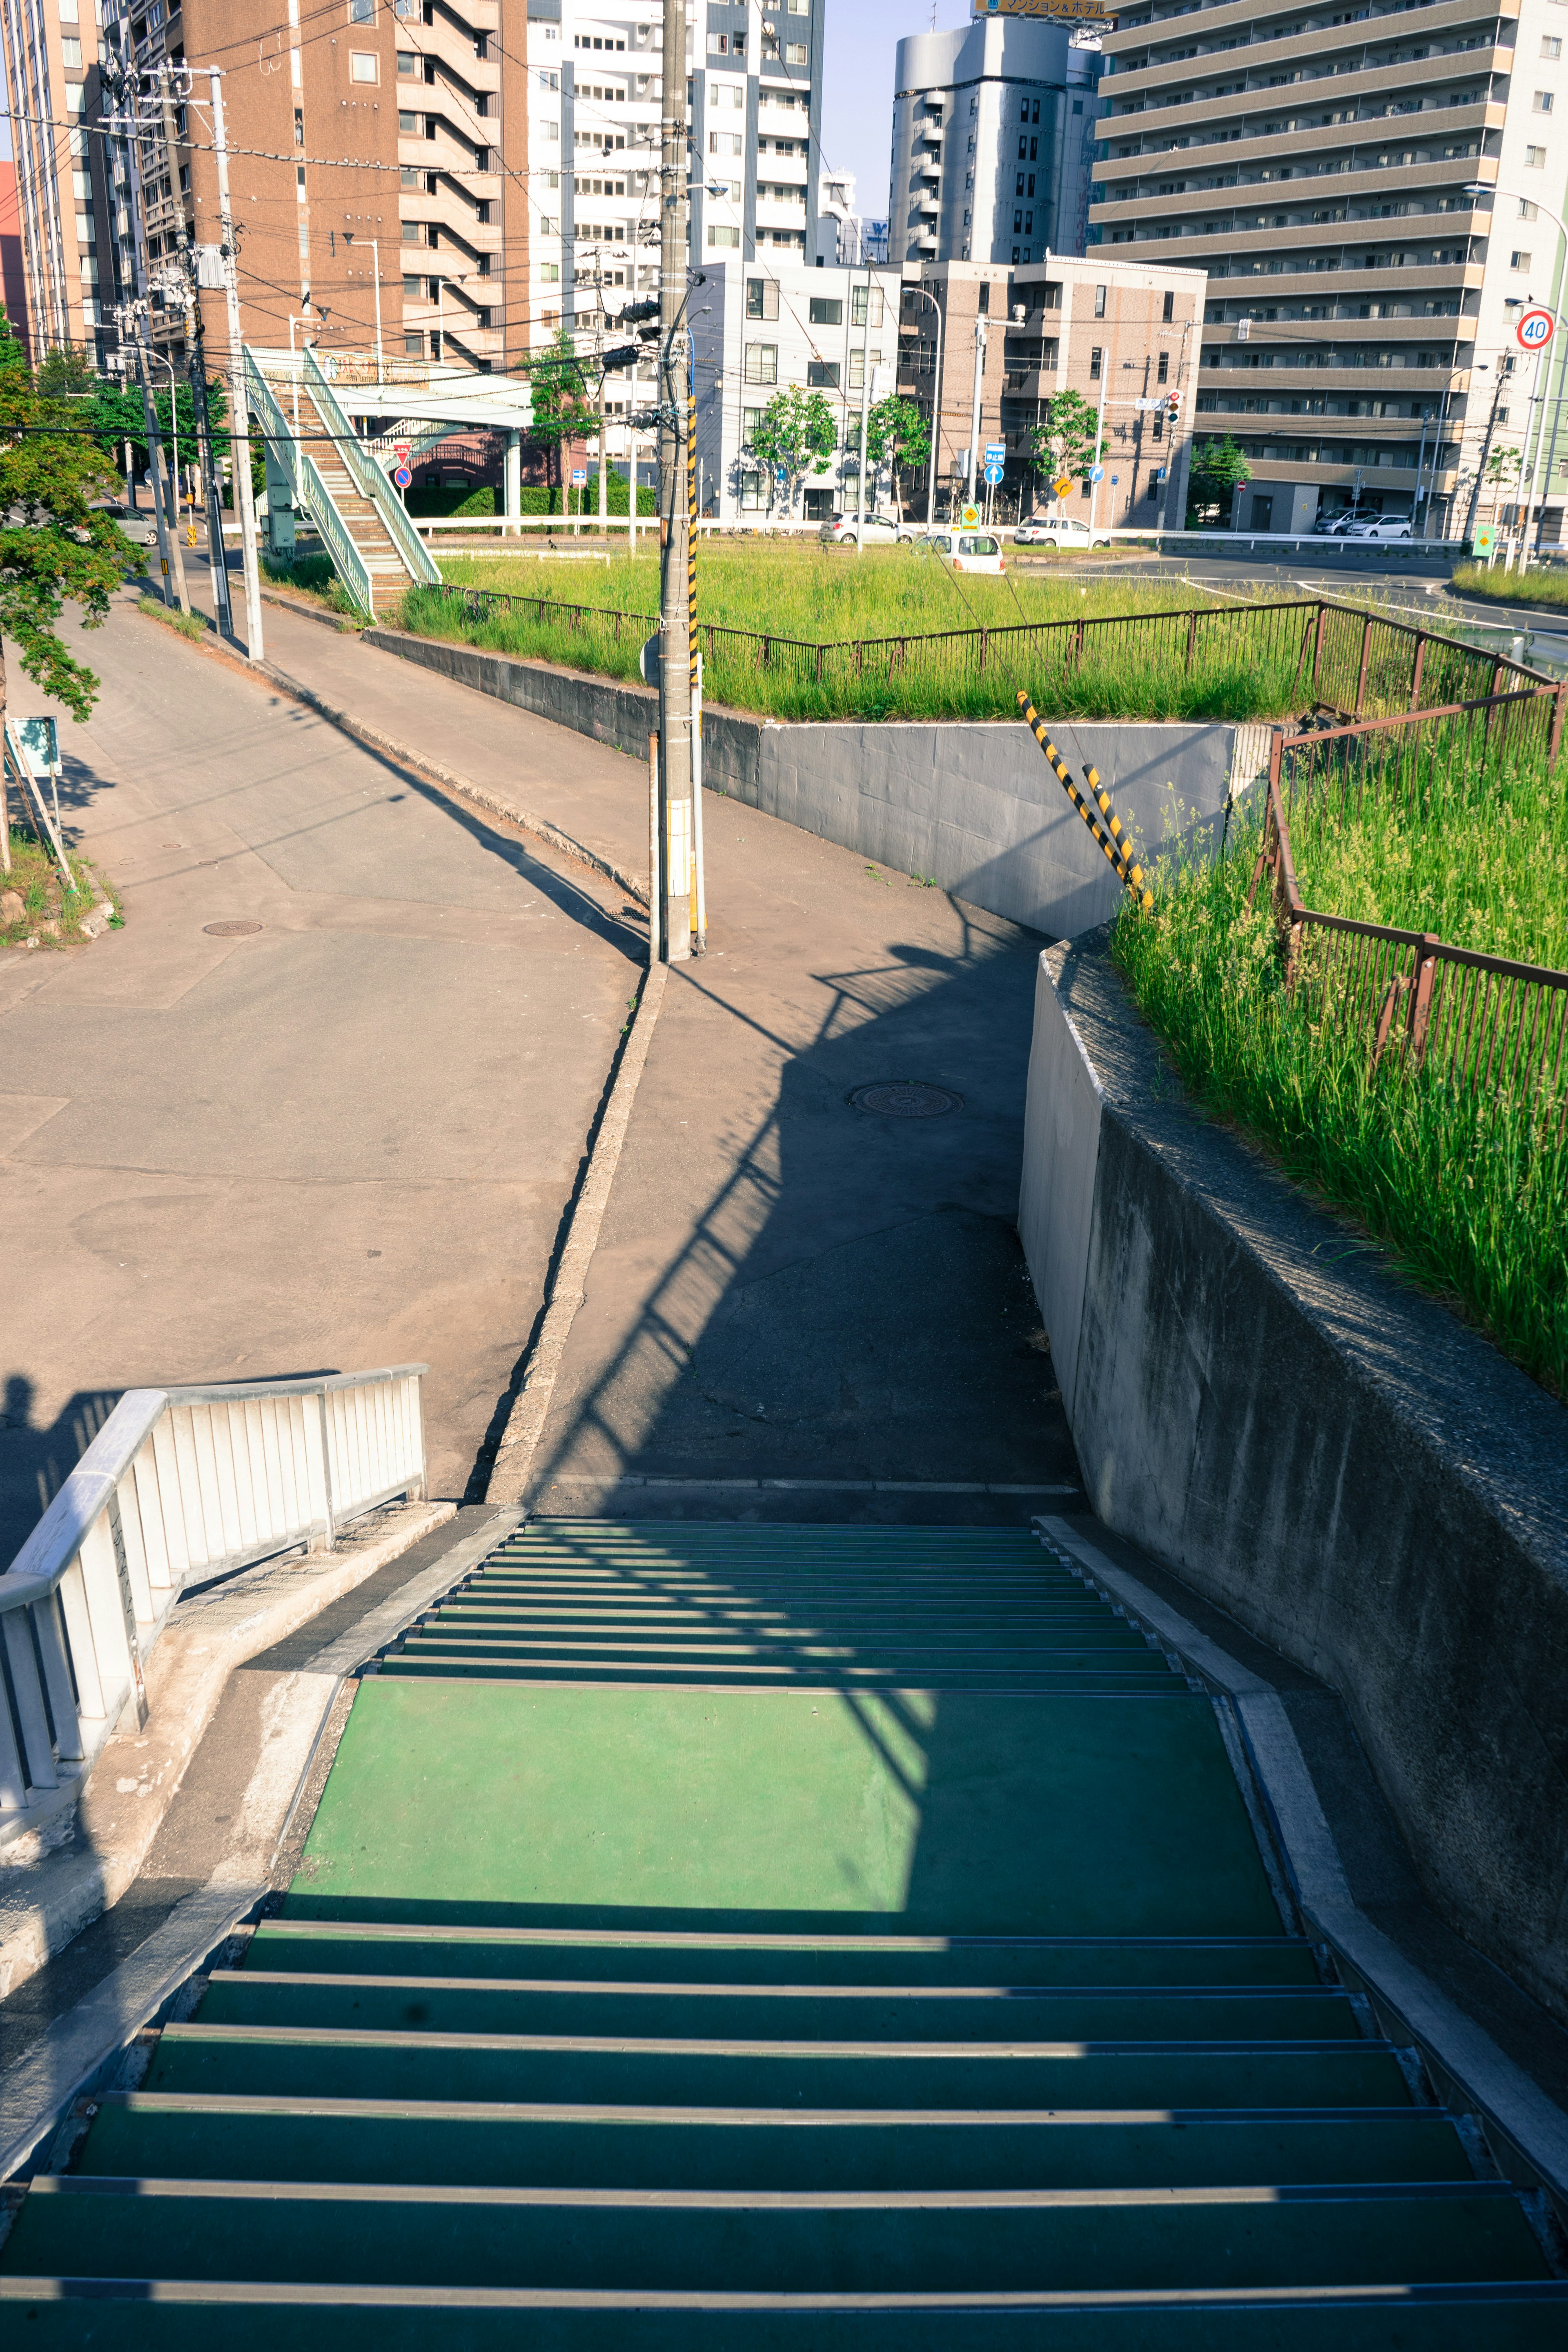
[(966, 551)]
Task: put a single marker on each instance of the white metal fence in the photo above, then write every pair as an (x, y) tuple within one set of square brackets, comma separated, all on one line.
[(179, 1485)]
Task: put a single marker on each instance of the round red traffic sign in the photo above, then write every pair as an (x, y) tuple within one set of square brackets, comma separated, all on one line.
[(1535, 329)]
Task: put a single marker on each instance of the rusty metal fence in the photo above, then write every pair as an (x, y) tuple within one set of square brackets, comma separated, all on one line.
[(1484, 1021), (1314, 654)]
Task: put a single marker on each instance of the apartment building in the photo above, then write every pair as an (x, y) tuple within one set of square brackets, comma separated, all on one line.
[(1124, 335), (1318, 164), (764, 327), (993, 142), (367, 175), (754, 97)]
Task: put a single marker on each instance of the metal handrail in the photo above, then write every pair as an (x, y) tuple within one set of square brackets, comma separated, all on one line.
[(347, 561), (373, 483), (179, 1485)]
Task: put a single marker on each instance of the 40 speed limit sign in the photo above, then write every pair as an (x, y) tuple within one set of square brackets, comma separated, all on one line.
[(1534, 330)]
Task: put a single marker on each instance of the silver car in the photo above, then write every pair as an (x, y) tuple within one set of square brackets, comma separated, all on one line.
[(880, 531)]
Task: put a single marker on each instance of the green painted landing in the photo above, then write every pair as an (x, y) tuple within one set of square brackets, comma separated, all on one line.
[(750, 1939)]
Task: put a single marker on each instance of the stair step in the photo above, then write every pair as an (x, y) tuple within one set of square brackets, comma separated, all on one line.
[(807, 2014), (702, 2072), (158, 2314), (480, 2143), (795, 2242), (359, 1946)]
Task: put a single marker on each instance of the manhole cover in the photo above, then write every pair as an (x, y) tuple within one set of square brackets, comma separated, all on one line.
[(228, 930), (906, 1099)]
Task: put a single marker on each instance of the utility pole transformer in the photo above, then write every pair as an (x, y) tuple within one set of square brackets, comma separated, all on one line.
[(674, 880)]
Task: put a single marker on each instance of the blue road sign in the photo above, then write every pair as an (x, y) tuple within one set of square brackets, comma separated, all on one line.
[(402, 478), (995, 452), (992, 474), (1096, 473)]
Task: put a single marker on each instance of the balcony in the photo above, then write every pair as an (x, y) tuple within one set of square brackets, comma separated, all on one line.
[(1332, 53), (1199, 161)]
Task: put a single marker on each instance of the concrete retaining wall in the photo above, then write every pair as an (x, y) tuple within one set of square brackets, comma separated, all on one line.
[(1337, 1462), (973, 806)]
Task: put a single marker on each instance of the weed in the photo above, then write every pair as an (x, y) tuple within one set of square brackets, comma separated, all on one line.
[(36, 879), (190, 626), (1503, 586)]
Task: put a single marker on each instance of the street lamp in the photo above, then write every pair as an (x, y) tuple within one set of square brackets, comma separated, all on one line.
[(926, 295), (1483, 188)]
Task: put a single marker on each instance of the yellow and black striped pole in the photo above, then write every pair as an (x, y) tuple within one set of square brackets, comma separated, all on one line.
[(1113, 841)]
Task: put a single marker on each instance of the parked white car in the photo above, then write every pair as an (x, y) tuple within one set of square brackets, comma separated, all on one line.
[(1058, 530), (966, 551), (880, 531), (1380, 527)]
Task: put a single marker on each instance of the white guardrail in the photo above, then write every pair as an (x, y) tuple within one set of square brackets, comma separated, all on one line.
[(178, 1487)]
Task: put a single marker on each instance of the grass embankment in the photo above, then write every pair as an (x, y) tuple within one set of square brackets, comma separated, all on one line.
[(50, 914), (1501, 585), (311, 575), (812, 595), (1468, 1186)]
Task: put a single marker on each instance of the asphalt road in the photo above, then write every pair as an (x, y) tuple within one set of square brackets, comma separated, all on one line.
[(341, 1138)]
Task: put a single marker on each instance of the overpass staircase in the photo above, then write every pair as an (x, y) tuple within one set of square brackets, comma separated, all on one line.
[(765, 1936), (335, 479)]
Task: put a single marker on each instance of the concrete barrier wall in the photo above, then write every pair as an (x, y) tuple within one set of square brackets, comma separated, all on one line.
[(1336, 1460), (972, 806)]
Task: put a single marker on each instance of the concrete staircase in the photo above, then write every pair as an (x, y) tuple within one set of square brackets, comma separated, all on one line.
[(764, 1937)]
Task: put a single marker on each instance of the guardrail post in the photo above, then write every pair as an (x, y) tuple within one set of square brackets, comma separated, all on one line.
[(128, 1604), (331, 1532), (1421, 993), (1191, 637), (1415, 674), (1559, 709), (1318, 645), (1361, 676)]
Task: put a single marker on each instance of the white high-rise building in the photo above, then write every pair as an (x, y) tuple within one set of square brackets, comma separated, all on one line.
[(596, 89), (993, 142)]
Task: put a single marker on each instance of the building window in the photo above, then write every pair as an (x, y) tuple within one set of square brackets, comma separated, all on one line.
[(1518, 261), (413, 349), (1535, 159), (722, 236), (1550, 46), (70, 52), (550, 274), (822, 374), (1168, 313), (750, 489), (1094, 364), (411, 290), (985, 297), (412, 233), (407, 177), (718, 46), (1541, 102), (1099, 301), (405, 62), (796, 53), (364, 66), (750, 420), (761, 297), (408, 126), (1163, 369), (827, 310), (361, 12), (763, 360)]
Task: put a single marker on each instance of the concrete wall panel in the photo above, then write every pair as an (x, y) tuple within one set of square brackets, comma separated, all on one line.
[(1061, 1153)]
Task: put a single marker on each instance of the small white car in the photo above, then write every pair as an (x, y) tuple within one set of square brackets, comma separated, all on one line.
[(1058, 530), (880, 531), (966, 551), (1380, 527)]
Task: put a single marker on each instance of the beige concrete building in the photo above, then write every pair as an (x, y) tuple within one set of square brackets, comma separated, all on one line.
[(1118, 332), (1317, 163)]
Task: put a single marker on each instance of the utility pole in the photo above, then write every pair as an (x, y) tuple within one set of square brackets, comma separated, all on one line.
[(974, 405), (674, 529), (604, 443), (196, 367), (1098, 440), (1486, 453), (865, 418), (166, 496), (239, 404)]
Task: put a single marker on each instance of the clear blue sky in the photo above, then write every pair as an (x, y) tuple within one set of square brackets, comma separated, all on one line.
[(857, 85)]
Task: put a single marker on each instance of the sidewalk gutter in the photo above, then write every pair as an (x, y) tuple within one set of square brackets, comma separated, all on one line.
[(418, 763)]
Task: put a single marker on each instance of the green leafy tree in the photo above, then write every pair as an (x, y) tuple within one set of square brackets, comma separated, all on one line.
[(897, 434), (116, 416), (561, 409), (1500, 473), (12, 354), (794, 435), (66, 374), (57, 546), (1063, 441), (1218, 471)]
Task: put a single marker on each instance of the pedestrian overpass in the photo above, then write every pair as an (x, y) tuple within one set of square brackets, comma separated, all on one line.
[(780, 1936)]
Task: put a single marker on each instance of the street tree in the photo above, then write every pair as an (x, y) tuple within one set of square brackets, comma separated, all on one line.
[(561, 409), (897, 436), (65, 373), (794, 435), (57, 546), (1218, 471), (1500, 473), (12, 354), (1064, 440)]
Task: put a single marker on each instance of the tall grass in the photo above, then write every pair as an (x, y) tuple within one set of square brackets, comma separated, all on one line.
[(811, 597), (1469, 1190), (1503, 586)]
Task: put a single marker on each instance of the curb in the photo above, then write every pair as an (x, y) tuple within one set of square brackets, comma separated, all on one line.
[(530, 1406), (431, 771)]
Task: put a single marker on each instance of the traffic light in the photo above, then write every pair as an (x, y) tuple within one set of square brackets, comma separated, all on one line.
[(1172, 406)]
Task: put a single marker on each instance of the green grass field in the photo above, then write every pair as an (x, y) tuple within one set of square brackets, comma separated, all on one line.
[(1469, 1187), (809, 596), (1546, 586)]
